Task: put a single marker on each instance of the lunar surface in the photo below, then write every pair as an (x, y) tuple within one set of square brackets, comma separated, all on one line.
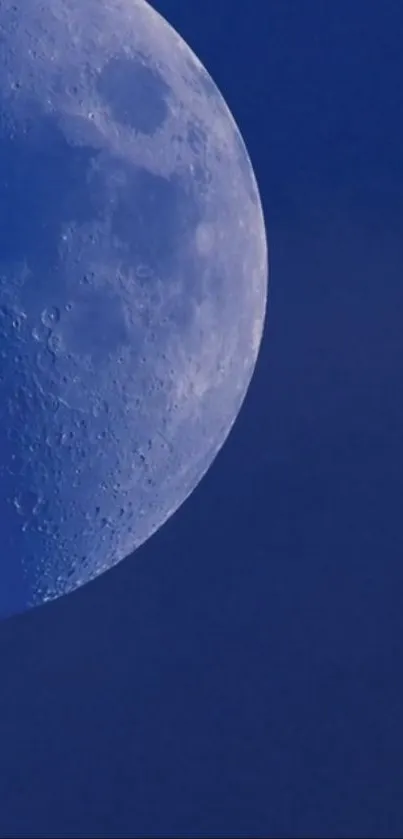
[(133, 280)]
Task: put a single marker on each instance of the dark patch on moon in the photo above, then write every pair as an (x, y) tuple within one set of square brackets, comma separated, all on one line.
[(197, 138), (154, 217), (43, 184), (95, 326), (135, 93)]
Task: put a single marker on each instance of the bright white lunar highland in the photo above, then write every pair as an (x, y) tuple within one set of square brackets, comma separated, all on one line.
[(133, 281)]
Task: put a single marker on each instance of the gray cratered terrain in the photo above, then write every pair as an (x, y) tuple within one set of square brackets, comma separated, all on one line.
[(133, 279)]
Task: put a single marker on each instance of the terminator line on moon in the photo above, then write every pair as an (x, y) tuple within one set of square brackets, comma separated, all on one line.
[(133, 280)]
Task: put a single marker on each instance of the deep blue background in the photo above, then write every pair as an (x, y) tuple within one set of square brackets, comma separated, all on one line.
[(242, 675)]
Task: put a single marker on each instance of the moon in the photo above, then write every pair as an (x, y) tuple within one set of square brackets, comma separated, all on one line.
[(133, 285)]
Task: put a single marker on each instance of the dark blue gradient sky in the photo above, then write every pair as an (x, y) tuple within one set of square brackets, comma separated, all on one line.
[(242, 674)]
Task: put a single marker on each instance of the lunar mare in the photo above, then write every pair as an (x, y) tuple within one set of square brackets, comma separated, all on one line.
[(133, 283)]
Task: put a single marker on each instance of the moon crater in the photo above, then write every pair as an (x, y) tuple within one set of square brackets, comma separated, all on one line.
[(135, 93)]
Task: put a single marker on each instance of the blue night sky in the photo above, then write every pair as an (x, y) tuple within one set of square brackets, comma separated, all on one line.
[(242, 674)]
